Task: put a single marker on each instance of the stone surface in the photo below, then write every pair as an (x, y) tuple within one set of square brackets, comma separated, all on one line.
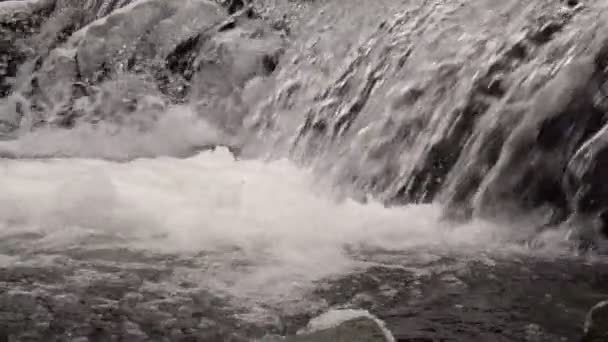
[(105, 61), (357, 330)]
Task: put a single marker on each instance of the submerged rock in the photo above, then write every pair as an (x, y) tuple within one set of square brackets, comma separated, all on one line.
[(596, 324), (356, 330), (140, 33), (343, 325)]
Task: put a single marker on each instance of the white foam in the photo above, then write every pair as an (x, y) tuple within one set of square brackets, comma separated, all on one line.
[(290, 232), (267, 230)]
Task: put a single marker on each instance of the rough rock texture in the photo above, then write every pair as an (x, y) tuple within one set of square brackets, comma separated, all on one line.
[(18, 21), (160, 49)]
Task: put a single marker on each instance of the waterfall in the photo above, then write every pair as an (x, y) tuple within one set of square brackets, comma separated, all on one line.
[(493, 110), (223, 170)]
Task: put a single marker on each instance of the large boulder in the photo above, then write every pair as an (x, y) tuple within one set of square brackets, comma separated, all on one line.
[(168, 46), (225, 65), (30, 29), (140, 32), (341, 326)]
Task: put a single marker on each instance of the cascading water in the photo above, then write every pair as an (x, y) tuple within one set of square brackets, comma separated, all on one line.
[(213, 171)]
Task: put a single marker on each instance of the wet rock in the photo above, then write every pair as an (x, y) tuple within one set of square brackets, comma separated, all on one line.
[(356, 330), (226, 63), (157, 50), (530, 166), (596, 324), (93, 9), (30, 29), (148, 30), (62, 85), (526, 157), (19, 20), (10, 59), (235, 5)]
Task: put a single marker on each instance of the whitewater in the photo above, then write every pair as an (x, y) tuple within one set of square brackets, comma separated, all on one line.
[(286, 224), (263, 235)]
